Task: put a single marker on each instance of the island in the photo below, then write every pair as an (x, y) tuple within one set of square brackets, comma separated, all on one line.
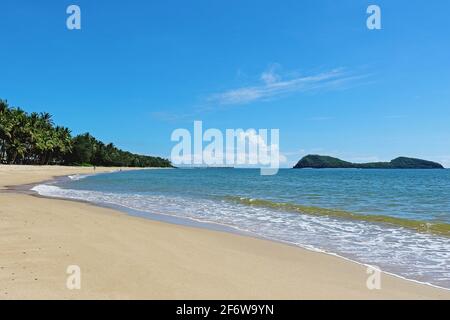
[(324, 162)]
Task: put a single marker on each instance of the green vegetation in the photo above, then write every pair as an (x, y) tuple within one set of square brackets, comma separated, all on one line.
[(321, 162), (34, 139)]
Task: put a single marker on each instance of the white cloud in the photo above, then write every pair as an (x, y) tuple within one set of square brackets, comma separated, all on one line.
[(273, 86), (270, 76), (258, 148), (249, 150)]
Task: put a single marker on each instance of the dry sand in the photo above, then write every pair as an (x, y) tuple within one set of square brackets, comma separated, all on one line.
[(124, 257)]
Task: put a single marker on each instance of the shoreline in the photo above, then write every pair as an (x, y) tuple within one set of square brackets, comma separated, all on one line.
[(326, 258), (207, 225)]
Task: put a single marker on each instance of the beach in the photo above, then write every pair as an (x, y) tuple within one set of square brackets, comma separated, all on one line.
[(126, 257)]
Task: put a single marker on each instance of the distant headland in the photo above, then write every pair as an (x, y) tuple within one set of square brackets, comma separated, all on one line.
[(323, 162)]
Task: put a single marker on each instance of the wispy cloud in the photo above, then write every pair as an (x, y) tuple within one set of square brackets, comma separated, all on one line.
[(273, 85)]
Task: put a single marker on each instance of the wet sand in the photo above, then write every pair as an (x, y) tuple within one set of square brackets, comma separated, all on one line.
[(126, 257)]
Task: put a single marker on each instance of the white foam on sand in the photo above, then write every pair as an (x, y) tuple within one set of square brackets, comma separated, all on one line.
[(76, 177), (419, 256)]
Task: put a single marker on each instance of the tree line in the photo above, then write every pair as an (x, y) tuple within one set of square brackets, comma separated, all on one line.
[(33, 138)]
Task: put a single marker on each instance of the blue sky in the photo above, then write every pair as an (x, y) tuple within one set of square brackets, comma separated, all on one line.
[(140, 69)]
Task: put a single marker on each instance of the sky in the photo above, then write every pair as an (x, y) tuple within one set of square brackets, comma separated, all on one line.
[(139, 69)]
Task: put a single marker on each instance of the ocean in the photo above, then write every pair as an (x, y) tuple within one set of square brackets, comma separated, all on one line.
[(397, 220)]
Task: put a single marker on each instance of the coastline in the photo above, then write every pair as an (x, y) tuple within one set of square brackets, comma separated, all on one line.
[(124, 257)]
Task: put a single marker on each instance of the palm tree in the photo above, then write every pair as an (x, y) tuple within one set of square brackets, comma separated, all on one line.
[(62, 143), (4, 109), (17, 133), (34, 139)]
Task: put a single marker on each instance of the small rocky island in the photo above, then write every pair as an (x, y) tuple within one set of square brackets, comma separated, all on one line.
[(323, 162)]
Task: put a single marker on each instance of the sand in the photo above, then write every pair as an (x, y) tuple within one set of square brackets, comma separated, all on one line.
[(125, 257)]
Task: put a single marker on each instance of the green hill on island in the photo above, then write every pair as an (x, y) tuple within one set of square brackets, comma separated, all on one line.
[(323, 162)]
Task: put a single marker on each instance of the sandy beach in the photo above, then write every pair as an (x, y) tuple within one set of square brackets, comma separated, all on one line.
[(124, 257)]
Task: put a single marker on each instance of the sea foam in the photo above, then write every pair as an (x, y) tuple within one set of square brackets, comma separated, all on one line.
[(419, 256)]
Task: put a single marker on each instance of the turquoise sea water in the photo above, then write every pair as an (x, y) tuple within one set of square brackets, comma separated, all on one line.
[(292, 207)]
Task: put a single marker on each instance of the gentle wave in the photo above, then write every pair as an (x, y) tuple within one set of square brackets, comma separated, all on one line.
[(77, 177), (422, 257), (442, 229)]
